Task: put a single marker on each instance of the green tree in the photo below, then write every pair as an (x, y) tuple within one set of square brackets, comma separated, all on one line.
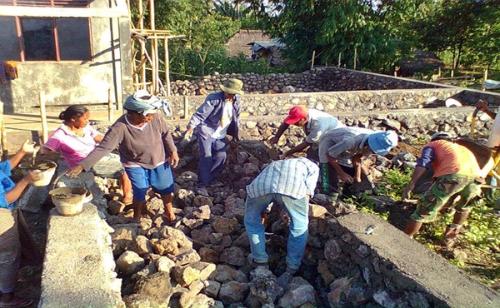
[(463, 27), (371, 29), (206, 32)]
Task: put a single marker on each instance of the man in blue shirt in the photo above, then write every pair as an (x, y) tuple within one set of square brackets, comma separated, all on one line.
[(289, 183), (216, 118), (10, 247)]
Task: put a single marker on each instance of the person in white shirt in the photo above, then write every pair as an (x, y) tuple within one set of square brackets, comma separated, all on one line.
[(314, 122)]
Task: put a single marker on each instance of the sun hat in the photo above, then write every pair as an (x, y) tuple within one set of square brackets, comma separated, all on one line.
[(232, 86), (296, 114), (382, 142)]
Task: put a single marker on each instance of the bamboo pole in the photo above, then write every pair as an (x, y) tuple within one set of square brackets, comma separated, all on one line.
[(312, 59), (154, 46), (167, 67), (43, 117), (355, 57), (340, 59)]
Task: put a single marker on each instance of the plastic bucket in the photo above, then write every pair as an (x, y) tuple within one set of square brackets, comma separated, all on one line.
[(69, 200), (46, 168)]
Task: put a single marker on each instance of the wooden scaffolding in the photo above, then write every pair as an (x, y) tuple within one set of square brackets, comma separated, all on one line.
[(145, 52)]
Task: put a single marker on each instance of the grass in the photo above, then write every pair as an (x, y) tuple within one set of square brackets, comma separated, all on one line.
[(478, 248)]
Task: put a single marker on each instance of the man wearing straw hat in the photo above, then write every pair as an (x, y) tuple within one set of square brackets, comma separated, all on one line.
[(216, 118)]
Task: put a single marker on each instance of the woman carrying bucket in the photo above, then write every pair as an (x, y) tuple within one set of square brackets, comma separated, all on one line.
[(75, 139), (10, 245), (146, 150)]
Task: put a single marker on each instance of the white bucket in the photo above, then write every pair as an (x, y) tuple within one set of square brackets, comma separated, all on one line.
[(46, 170), (69, 200)]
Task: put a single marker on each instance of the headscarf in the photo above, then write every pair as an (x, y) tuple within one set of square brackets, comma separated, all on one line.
[(144, 103)]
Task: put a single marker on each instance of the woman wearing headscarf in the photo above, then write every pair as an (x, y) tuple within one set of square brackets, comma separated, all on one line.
[(75, 139), (146, 148)]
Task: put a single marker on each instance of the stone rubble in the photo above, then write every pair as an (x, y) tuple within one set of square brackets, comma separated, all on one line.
[(204, 257)]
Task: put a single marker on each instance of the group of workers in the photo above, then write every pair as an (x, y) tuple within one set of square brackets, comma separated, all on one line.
[(147, 153)]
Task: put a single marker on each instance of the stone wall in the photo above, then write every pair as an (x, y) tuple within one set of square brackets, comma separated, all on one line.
[(411, 125), (320, 79), (385, 267)]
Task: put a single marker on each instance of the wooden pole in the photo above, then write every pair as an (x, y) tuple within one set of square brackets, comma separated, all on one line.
[(355, 57), (439, 71), (110, 107), (485, 78), (43, 117), (167, 67), (312, 59), (186, 107), (340, 59), (143, 44)]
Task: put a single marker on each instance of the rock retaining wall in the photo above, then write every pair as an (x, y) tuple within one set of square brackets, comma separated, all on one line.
[(317, 80), (386, 267)]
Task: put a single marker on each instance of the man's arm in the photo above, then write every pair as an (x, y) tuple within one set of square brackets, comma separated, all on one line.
[(283, 127), (340, 172), (201, 114), (299, 148), (423, 163), (110, 142), (312, 177)]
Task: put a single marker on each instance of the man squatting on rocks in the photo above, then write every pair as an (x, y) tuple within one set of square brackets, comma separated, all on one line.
[(341, 151), (146, 149), (10, 245), (456, 171), (216, 118), (315, 124), (289, 184)]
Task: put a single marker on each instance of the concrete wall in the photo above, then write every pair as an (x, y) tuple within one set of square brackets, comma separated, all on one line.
[(69, 82)]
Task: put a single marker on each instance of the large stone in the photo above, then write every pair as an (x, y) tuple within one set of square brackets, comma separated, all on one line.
[(317, 211), (164, 264), (224, 273), (177, 236), (156, 288), (189, 256), (123, 238), (165, 247), (339, 287), (233, 256), (234, 207), (208, 255), (212, 288), (250, 169), (142, 245), (185, 275), (188, 300), (233, 292), (129, 262), (225, 225), (201, 201), (299, 293), (203, 212), (332, 250), (264, 286)]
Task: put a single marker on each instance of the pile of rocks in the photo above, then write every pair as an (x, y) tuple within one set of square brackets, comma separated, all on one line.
[(201, 260), (316, 80)]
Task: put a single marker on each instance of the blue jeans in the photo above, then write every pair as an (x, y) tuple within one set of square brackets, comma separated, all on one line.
[(212, 157), (297, 209)]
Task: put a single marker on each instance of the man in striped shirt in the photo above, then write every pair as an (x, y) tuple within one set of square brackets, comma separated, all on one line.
[(289, 183)]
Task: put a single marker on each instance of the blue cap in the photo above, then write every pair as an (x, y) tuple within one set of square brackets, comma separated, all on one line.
[(382, 142)]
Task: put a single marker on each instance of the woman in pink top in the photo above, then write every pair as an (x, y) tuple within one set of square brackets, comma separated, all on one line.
[(75, 139)]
